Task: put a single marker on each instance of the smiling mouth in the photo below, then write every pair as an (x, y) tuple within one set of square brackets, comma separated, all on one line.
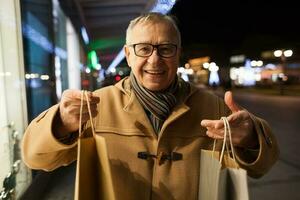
[(155, 72)]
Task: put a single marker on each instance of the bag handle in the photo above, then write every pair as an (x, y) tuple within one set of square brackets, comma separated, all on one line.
[(226, 123), (84, 94), (227, 135)]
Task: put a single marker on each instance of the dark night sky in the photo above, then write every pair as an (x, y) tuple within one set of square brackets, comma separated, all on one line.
[(221, 29)]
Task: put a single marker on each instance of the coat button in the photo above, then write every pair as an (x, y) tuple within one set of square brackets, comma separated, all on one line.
[(269, 141)]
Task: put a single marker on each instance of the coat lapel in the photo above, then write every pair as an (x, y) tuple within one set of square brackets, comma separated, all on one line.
[(177, 112), (136, 111)]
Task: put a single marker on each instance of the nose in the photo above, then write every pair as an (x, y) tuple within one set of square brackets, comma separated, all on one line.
[(154, 58)]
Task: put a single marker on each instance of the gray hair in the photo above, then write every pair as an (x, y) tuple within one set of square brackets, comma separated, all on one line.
[(152, 17)]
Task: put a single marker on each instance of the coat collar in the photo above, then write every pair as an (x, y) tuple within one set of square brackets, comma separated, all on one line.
[(125, 86), (136, 110)]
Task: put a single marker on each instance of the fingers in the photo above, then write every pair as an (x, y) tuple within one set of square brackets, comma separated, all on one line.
[(233, 119), (75, 109), (75, 94), (73, 97), (229, 101), (238, 117), (70, 106), (217, 124), (219, 135), (215, 134), (241, 126), (215, 128)]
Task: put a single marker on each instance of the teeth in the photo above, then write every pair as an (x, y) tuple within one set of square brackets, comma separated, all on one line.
[(154, 71)]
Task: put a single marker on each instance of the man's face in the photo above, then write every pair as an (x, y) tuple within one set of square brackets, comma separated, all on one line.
[(154, 72)]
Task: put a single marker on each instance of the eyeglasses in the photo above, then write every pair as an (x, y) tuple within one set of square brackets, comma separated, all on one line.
[(146, 50)]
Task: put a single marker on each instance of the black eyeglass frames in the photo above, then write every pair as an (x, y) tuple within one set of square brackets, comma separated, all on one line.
[(146, 49)]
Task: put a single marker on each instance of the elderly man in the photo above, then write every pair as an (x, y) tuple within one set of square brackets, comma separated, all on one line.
[(151, 122)]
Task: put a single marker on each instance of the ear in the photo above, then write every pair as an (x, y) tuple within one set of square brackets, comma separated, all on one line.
[(127, 54)]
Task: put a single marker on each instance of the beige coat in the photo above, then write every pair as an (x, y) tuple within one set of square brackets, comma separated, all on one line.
[(127, 130)]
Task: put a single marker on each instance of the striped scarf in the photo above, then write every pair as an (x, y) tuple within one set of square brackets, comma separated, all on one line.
[(159, 104)]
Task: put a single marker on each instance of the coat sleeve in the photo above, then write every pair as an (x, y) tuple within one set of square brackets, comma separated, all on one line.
[(258, 162), (40, 149)]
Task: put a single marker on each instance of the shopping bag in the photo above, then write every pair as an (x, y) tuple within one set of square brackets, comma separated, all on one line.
[(93, 176), (221, 178)]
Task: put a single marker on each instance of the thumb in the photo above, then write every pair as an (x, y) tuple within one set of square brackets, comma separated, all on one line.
[(228, 98)]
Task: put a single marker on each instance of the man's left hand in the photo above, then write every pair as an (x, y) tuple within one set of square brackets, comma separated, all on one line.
[(242, 127)]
